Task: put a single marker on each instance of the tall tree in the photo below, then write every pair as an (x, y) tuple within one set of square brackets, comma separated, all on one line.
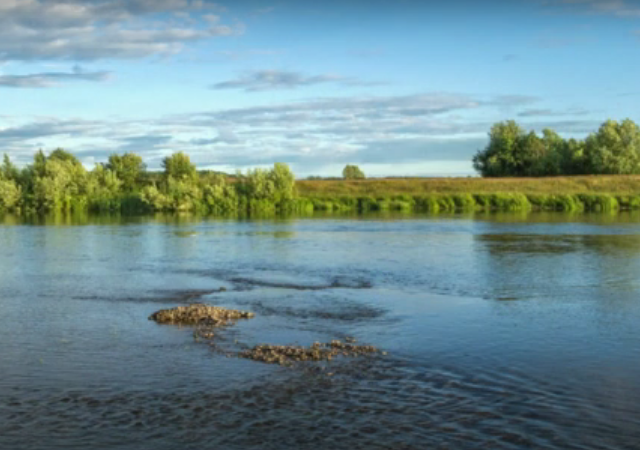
[(283, 181)]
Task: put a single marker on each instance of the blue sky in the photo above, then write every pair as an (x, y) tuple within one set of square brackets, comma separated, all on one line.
[(399, 87)]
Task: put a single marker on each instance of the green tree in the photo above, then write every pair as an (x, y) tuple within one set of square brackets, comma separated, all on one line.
[(284, 182), (63, 155), (500, 157), (257, 185), (179, 167), (572, 158), (219, 195), (8, 170), (63, 186), (529, 156), (10, 194), (352, 172), (153, 199), (182, 195), (554, 155), (614, 149), (128, 167), (39, 163), (103, 189)]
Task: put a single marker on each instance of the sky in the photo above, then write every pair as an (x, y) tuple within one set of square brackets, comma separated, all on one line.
[(398, 87)]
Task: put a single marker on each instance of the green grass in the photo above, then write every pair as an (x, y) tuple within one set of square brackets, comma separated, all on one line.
[(572, 194), (388, 187)]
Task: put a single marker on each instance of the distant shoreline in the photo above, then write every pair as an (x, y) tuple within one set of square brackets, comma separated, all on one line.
[(563, 193)]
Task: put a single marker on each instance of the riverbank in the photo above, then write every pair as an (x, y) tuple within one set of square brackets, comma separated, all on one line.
[(591, 184), (580, 193), (304, 197)]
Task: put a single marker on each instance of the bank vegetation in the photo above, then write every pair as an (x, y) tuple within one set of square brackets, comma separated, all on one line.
[(521, 171)]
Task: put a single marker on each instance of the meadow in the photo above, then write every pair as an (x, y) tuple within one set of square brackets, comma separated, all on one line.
[(565, 193)]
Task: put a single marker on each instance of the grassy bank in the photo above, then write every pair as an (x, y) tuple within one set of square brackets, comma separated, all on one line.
[(595, 184), (581, 193)]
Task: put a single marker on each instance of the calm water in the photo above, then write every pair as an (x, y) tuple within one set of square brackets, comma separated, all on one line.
[(501, 331)]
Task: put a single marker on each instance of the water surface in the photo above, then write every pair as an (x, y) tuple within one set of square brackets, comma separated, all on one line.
[(502, 331)]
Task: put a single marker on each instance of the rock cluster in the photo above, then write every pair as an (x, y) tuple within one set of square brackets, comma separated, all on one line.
[(199, 314), (206, 319), (288, 354)]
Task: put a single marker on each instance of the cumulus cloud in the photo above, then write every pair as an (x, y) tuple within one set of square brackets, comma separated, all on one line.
[(97, 29), (263, 80), (50, 79)]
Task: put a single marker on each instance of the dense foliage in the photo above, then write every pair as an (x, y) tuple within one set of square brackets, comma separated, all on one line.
[(59, 182), (613, 150)]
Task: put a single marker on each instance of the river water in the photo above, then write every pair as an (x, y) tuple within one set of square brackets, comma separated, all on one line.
[(501, 331)]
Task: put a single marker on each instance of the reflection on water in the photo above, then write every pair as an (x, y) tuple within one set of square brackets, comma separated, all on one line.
[(503, 331)]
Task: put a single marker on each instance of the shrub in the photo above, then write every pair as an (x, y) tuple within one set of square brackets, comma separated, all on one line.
[(599, 202)]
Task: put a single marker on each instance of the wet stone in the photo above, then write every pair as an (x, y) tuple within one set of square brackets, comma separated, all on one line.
[(288, 354), (199, 314)]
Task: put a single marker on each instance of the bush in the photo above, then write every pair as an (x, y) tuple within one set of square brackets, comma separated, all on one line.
[(599, 202), (503, 201), (563, 202)]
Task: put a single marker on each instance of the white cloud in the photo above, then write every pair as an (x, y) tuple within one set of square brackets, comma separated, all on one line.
[(264, 80), (50, 79), (99, 29)]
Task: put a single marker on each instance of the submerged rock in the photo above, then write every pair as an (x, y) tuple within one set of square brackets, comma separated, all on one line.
[(199, 314), (288, 354), (207, 319)]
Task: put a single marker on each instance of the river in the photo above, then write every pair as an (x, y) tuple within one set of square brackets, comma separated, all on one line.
[(501, 331)]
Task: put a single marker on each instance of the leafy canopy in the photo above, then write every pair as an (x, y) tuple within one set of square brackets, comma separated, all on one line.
[(511, 152)]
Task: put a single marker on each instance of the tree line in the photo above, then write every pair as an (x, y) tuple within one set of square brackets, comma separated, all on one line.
[(59, 182), (614, 149)]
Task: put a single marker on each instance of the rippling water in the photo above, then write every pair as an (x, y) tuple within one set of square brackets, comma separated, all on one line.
[(502, 331)]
